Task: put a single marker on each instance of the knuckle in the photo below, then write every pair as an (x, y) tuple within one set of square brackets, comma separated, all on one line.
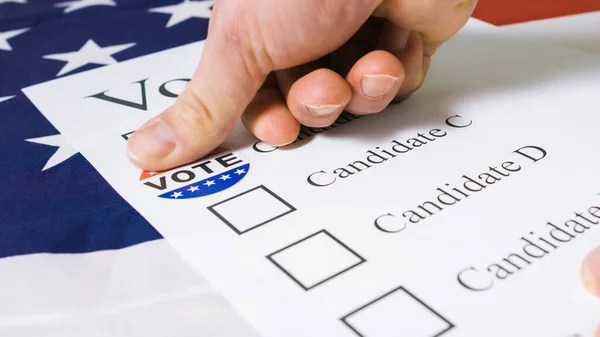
[(240, 31), (192, 114), (192, 111)]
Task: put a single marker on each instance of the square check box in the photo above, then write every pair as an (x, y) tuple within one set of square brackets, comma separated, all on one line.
[(315, 259), (251, 209), (397, 313)]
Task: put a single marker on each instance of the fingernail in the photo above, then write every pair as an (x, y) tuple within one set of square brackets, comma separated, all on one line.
[(152, 143), (323, 109), (284, 144), (377, 85), (591, 272)]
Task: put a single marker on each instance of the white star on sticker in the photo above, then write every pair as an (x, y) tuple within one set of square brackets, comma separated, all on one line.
[(64, 151), (8, 35), (176, 195), (74, 5), (240, 171), (2, 99), (193, 188), (15, 1), (209, 183), (89, 53), (185, 10), (224, 177)]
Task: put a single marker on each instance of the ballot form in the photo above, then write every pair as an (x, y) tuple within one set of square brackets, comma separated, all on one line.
[(464, 211)]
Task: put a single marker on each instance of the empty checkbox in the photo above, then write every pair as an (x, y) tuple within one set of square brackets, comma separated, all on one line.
[(397, 313), (315, 259), (251, 209)]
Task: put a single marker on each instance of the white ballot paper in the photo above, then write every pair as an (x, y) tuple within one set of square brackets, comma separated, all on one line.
[(466, 210)]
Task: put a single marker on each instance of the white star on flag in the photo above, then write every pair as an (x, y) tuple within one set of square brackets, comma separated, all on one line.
[(65, 149), (8, 35), (176, 195), (2, 99), (209, 183), (224, 177), (72, 6), (185, 10), (193, 188), (240, 171), (89, 53), (15, 1)]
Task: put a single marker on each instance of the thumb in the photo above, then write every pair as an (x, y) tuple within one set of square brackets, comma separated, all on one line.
[(224, 83)]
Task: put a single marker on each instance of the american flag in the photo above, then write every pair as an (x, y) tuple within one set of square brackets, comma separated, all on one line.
[(75, 258), (53, 200)]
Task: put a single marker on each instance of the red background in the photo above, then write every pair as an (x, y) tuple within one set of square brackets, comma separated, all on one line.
[(502, 12)]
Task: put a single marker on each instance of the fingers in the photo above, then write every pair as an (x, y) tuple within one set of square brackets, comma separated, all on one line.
[(246, 41), (242, 49), (375, 80), (407, 47), (315, 96), (375, 76), (305, 94), (269, 118), (590, 272)]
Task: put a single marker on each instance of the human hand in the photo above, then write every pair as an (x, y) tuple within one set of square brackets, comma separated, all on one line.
[(590, 273), (279, 64)]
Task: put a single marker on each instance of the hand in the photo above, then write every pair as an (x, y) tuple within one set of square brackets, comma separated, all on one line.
[(591, 272), (279, 64)]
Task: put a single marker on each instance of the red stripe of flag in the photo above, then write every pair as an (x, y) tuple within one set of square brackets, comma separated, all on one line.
[(504, 12)]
